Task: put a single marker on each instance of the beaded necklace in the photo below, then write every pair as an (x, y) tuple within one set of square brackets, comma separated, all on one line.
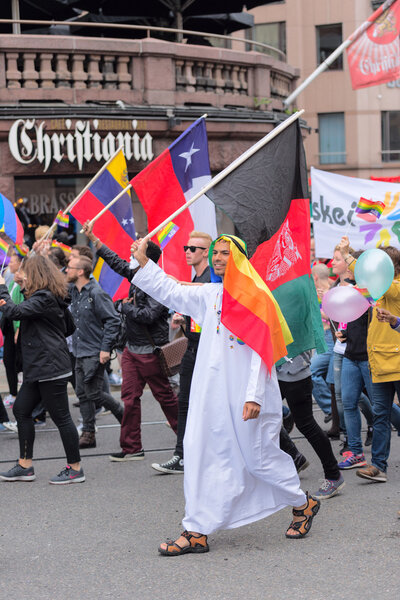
[(217, 308)]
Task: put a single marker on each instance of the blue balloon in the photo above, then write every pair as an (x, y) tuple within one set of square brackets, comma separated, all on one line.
[(375, 271)]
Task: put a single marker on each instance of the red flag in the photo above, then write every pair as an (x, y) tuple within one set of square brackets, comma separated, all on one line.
[(374, 57)]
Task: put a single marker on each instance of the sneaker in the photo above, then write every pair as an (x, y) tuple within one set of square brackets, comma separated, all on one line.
[(329, 488), (9, 426), (300, 462), (115, 379), (173, 466), (353, 461), (18, 473), (372, 473), (368, 439), (68, 475), (9, 400), (124, 456), (87, 439)]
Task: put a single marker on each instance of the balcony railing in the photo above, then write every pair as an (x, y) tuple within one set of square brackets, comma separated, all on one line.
[(76, 70)]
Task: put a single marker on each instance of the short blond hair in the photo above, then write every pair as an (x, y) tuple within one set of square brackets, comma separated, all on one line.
[(41, 231), (202, 235)]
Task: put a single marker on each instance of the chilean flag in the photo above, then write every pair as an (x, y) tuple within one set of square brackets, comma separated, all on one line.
[(170, 181)]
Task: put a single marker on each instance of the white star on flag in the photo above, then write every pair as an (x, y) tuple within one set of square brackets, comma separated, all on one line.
[(131, 220), (188, 156), (125, 222)]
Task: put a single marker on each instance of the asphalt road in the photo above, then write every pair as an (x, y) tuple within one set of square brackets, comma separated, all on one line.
[(99, 539)]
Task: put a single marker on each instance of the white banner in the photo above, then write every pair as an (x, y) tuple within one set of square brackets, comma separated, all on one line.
[(334, 199)]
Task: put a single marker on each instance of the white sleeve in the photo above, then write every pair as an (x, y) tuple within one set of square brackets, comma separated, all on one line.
[(256, 385), (187, 300)]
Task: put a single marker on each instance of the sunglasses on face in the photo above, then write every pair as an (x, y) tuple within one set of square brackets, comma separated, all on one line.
[(193, 248)]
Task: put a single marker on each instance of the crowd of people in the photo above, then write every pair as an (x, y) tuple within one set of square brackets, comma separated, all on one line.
[(60, 328)]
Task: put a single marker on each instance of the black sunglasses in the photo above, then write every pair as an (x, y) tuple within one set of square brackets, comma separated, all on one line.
[(193, 248)]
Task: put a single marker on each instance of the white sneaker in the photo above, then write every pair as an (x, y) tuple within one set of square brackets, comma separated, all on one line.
[(11, 426), (9, 400)]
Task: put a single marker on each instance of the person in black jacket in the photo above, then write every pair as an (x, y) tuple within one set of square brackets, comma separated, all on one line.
[(147, 327), (46, 366)]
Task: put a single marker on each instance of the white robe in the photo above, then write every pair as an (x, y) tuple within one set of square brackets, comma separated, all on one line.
[(235, 472)]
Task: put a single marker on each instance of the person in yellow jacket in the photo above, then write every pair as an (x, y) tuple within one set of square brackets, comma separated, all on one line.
[(383, 346)]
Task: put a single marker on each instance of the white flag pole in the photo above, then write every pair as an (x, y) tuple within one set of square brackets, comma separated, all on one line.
[(241, 159), (332, 57), (79, 196)]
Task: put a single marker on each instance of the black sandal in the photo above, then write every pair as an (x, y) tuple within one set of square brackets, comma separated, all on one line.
[(304, 526), (197, 545)]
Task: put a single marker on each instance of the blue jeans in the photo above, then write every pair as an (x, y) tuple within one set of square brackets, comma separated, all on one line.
[(364, 402), (319, 371), (384, 412), (355, 375)]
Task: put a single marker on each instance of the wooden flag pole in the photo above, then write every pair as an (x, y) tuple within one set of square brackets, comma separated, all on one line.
[(79, 196), (236, 163)]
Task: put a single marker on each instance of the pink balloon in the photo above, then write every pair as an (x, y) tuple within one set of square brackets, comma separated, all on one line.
[(344, 303)]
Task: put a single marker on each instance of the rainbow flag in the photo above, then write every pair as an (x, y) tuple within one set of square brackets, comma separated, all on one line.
[(10, 224), (61, 219), (167, 234), (20, 250), (4, 246), (369, 210), (364, 292), (64, 247), (249, 310)]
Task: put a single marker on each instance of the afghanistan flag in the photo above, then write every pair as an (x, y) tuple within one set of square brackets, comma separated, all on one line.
[(258, 193)]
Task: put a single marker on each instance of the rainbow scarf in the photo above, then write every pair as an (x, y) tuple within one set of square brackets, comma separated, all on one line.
[(61, 219), (249, 310)]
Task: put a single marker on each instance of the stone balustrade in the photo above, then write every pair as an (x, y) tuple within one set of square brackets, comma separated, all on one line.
[(145, 72)]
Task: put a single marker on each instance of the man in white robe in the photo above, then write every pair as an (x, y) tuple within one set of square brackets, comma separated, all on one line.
[(235, 472)]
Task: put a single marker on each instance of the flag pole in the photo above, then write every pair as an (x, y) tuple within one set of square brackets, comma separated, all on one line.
[(339, 50), (79, 196), (236, 163)]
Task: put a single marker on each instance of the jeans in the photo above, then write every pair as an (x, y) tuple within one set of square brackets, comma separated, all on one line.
[(299, 398), (137, 370), (54, 396), (89, 379), (355, 375), (185, 380), (383, 395), (319, 371)]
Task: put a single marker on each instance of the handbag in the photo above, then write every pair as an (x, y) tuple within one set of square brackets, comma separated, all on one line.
[(170, 355)]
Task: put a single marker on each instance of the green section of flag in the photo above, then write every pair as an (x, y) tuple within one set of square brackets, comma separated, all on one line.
[(299, 304)]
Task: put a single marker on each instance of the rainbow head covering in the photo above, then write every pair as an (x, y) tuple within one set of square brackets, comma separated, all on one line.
[(249, 310)]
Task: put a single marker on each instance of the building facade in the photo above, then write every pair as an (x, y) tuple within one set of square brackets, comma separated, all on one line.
[(67, 103), (355, 133)]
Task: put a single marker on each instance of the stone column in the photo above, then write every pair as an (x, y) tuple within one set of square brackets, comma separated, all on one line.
[(29, 74), (47, 74)]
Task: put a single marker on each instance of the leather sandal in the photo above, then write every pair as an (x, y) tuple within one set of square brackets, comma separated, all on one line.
[(308, 513), (197, 545)]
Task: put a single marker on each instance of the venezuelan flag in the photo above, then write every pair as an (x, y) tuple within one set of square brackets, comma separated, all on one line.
[(10, 224), (249, 310), (369, 210), (116, 227)]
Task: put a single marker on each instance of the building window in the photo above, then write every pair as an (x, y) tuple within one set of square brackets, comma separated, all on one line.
[(329, 37), (391, 136), (273, 34), (332, 142)]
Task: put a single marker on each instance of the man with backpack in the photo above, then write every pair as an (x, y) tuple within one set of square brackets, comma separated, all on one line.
[(97, 327)]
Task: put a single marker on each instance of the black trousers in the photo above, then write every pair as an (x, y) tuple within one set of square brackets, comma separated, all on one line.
[(186, 374), (53, 395), (10, 361), (298, 395), (3, 413)]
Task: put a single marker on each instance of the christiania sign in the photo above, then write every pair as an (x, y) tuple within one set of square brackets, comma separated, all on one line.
[(28, 142)]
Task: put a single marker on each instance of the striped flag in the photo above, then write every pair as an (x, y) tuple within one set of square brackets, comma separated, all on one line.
[(167, 234), (364, 292), (61, 219), (369, 210), (21, 250), (64, 247), (4, 246), (249, 310)]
